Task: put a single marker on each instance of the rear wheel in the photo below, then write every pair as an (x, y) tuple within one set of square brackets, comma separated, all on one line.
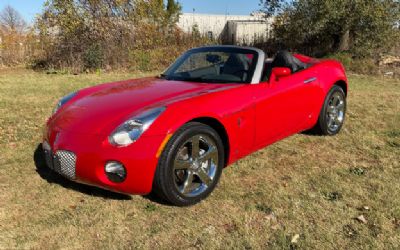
[(333, 113), (190, 165)]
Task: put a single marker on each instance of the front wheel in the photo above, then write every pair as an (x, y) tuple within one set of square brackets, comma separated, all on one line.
[(190, 165), (333, 113)]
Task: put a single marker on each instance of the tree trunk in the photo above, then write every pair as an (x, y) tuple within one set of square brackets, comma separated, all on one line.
[(344, 44)]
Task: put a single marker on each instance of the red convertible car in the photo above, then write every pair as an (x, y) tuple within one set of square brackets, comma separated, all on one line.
[(173, 134)]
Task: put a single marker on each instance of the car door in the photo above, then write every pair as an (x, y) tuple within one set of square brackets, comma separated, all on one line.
[(284, 106)]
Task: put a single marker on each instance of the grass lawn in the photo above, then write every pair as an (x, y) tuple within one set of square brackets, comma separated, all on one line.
[(305, 187)]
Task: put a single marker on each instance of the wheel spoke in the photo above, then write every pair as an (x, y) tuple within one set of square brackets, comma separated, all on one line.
[(181, 164), (201, 173), (338, 120), (195, 153), (340, 106), (334, 122), (330, 121), (186, 188), (335, 100), (211, 154), (195, 165), (330, 109)]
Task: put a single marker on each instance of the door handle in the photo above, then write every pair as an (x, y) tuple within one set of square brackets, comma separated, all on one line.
[(310, 80)]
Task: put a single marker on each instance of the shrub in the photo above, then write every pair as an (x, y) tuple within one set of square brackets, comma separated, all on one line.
[(81, 35), (356, 65), (93, 57), (140, 60), (320, 27)]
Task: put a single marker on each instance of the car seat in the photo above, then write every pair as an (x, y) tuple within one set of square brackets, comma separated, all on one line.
[(285, 59), (237, 65)]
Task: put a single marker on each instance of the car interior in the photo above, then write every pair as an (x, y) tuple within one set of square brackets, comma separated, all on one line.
[(233, 67), (283, 59), (237, 65)]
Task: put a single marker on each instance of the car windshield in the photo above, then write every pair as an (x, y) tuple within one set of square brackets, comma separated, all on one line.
[(214, 65)]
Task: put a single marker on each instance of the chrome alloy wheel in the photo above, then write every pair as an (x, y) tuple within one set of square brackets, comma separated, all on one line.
[(335, 112), (195, 165)]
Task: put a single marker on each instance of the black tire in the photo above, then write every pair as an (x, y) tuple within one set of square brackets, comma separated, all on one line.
[(322, 127), (165, 183)]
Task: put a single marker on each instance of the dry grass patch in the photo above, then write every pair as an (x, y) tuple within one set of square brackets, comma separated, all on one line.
[(311, 186)]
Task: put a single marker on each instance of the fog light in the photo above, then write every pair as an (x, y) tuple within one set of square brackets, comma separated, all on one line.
[(115, 171)]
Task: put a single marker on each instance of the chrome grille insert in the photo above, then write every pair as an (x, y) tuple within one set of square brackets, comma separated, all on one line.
[(62, 162)]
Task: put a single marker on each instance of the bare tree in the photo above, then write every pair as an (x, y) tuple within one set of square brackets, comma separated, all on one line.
[(11, 20)]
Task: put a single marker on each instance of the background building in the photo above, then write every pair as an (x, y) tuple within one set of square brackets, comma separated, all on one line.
[(229, 29)]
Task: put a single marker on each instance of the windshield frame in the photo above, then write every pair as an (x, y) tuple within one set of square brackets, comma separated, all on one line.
[(256, 67)]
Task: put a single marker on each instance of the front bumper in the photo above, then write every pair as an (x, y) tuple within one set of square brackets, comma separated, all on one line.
[(82, 157), (63, 162)]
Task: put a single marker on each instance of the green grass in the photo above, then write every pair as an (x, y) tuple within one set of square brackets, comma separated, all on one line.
[(306, 185)]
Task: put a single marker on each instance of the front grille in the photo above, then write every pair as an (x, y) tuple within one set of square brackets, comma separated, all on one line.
[(63, 162)]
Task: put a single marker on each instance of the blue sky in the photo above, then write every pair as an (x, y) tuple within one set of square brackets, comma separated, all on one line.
[(29, 8)]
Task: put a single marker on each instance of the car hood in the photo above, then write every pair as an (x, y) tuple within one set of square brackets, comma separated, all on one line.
[(101, 108)]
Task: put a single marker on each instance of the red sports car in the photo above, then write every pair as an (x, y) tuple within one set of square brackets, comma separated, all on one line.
[(173, 134)]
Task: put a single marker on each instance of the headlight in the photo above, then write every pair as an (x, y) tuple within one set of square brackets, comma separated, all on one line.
[(131, 130), (63, 101)]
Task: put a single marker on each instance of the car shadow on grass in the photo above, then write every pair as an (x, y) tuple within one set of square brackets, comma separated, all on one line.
[(310, 132), (52, 177), (156, 199)]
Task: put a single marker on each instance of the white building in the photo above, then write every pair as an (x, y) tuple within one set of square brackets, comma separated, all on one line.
[(231, 29)]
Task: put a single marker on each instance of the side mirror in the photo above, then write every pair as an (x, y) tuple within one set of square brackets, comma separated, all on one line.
[(281, 72)]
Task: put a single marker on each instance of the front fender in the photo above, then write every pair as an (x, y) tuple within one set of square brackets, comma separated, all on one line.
[(233, 110)]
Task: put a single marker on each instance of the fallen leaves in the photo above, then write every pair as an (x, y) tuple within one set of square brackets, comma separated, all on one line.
[(295, 239), (362, 219), (365, 208)]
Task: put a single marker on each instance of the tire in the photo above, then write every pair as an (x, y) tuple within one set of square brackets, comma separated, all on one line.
[(185, 175), (333, 113)]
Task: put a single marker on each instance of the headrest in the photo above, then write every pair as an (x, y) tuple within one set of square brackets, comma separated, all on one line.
[(284, 59)]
